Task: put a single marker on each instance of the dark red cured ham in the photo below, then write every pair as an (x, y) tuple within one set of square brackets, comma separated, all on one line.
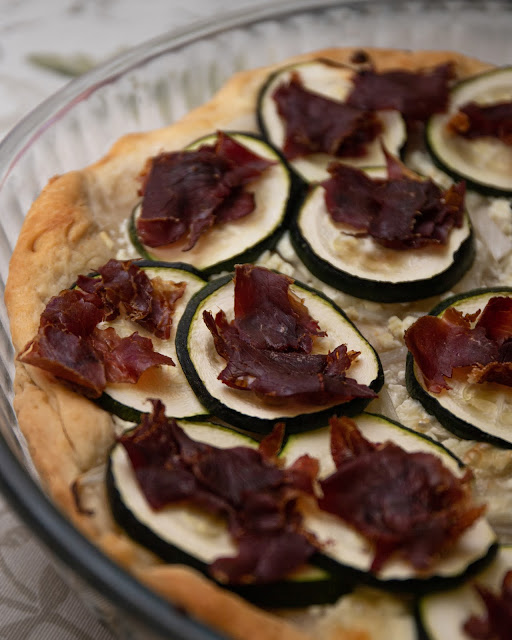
[(123, 286), (316, 124), (268, 345), (292, 375), (70, 345), (480, 342), (89, 362), (268, 314), (74, 311), (186, 192), (496, 319), (125, 359), (68, 357), (439, 345), (496, 623), (399, 212), (474, 121), (407, 504), (245, 486), (415, 94)]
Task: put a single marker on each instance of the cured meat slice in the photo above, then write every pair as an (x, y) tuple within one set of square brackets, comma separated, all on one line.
[(497, 620), (267, 313), (186, 192), (315, 378), (70, 345), (69, 357), (243, 485), (405, 503), (124, 287), (416, 95), (316, 124), (268, 345), (89, 362), (474, 121), (496, 319), (399, 212), (125, 359), (440, 344)]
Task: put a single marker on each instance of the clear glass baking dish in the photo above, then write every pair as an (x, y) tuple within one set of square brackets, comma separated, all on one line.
[(148, 87)]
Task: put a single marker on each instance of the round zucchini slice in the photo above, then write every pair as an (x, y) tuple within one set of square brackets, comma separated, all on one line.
[(347, 552), (276, 193), (179, 534), (485, 163), (243, 409), (365, 269), (442, 615), (167, 383), (478, 411), (334, 82)]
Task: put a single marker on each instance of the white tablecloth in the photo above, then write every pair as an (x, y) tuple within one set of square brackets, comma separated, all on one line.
[(37, 38)]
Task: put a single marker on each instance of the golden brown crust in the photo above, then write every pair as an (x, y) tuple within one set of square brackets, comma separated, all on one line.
[(68, 231), (220, 609)]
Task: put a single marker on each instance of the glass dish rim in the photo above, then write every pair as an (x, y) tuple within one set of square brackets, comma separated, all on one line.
[(26, 131), (25, 496)]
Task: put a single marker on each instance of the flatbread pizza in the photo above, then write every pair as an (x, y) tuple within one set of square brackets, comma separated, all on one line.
[(263, 353)]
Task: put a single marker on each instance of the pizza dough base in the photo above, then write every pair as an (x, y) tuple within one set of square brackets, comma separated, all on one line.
[(72, 228)]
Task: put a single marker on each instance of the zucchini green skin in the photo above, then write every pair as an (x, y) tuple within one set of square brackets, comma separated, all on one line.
[(472, 181), (380, 290), (123, 411), (427, 626), (120, 409), (398, 425), (134, 236), (130, 414), (313, 587), (418, 586), (296, 424), (259, 104), (459, 427), (415, 585), (324, 589), (471, 184), (295, 196)]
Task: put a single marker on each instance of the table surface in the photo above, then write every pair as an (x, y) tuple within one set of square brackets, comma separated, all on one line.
[(42, 45)]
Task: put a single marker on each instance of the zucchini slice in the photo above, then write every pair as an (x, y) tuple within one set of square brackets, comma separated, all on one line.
[(478, 411), (366, 269), (485, 163), (179, 534), (334, 82), (442, 615), (202, 364), (167, 383), (276, 193), (347, 552)]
